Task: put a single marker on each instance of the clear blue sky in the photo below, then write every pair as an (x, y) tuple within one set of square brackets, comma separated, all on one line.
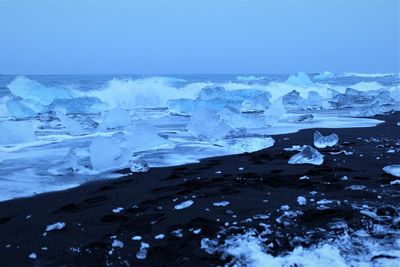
[(210, 36)]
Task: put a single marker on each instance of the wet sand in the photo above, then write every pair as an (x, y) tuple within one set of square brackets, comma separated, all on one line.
[(256, 185)]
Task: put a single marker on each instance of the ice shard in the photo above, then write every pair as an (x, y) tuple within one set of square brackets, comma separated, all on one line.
[(393, 169), (106, 153), (321, 141), (308, 155), (72, 126)]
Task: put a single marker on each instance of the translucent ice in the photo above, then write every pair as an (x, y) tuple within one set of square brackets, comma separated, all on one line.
[(142, 136), (184, 205), (15, 132), (393, 169), (139, 166), (293, 100), (321, 141), (274, 112), (72, 126), (247, 144), (68, 165), (115, 118), (106, 153), (207, 124), (35, 92), (19, 110), (308, 155)]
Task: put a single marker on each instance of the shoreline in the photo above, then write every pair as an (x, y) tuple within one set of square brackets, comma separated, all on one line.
[(265, 184)]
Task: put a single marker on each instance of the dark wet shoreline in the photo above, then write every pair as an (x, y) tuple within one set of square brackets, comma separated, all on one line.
[(266, 183)]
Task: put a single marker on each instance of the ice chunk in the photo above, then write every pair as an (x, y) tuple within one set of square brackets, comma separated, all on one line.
[(115, 118), (68, 165), (184, 205), (301, 79), (15, 132), (142, 136), (315, 101), (19, 110), (117, 244), (106, 153), (293, 100), (274, 112), (139, 166), (207, 124), (324, 76), (35, 92), (308, 155), (236, 119), (321, 141), (221, 203), (142, 253), (301, 200), (73, 127), (393, 169), (247, 144), (55, 226)]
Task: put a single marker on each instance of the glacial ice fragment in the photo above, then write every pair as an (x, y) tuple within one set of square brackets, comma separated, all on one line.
[(105, 153), (184, 205), (274, 112), (207, 124), (247, 144), (15, 132), (68, 165), (19, 110), (139, 166), (321, 141), (72, 126), (308, 155), (302, 118), (55, 226), (142, 253), (142, 136), (393, 169), (35, 92)]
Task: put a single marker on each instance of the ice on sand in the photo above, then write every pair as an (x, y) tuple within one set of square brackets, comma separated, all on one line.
[(184, 205), (308, 155), (393, 169), (106, 153), (321, 141), (68, 165), (139, 166), (207, 124), (15, 132)]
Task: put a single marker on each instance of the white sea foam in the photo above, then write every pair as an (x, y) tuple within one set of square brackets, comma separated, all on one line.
[(357, 250)]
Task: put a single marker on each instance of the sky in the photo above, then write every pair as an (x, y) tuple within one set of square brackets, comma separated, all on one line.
[(198, 37)]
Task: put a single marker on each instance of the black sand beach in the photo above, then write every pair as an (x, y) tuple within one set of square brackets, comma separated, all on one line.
[(257, 183)]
